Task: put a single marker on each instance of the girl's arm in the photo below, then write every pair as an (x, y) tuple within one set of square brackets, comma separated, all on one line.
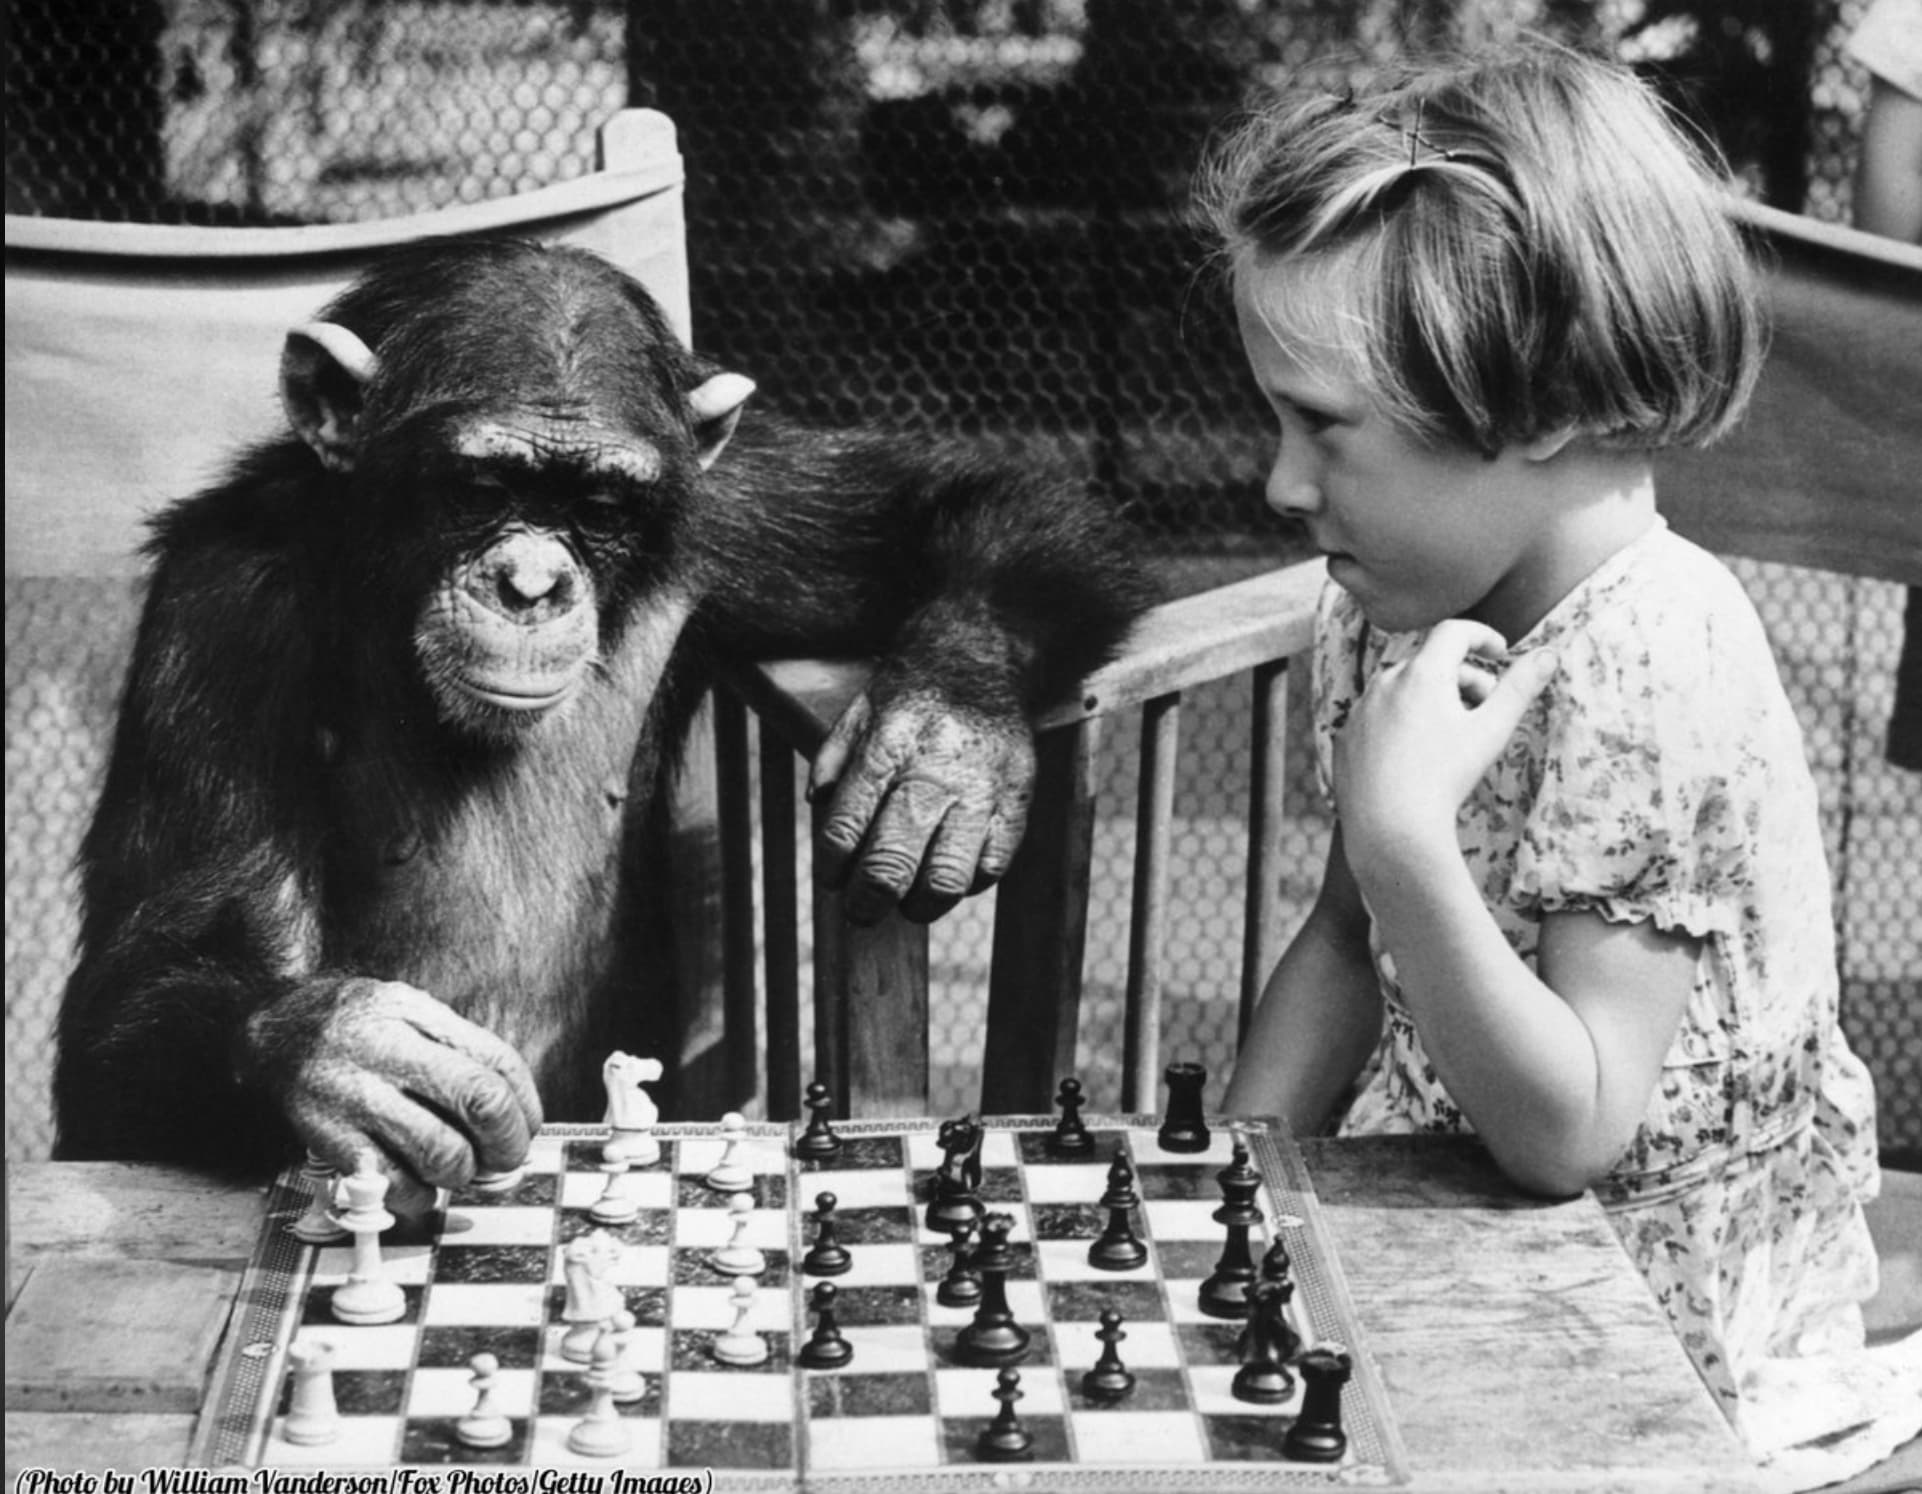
[(1553, 1066), (1320, 1013)]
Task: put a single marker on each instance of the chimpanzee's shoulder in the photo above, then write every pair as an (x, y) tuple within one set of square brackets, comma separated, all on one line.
[(257, 509)]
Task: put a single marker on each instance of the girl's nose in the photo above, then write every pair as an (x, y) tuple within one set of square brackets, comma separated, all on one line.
[(1294, 483)]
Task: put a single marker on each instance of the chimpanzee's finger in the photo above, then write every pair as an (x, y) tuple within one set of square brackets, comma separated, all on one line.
[(949, 866), (831, 760), (445, 1028), (896, 848)]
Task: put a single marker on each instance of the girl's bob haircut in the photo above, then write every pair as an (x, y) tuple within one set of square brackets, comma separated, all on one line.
[(1497, 251)]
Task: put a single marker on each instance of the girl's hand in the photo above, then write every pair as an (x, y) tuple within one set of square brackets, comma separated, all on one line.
[(1423, 734)]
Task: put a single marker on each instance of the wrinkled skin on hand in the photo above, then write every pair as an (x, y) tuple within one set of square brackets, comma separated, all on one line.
[(929, 800), (381, 1065)]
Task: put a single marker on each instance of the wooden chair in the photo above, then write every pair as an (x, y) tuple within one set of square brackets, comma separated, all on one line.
[(1824, 474), (139, 358)]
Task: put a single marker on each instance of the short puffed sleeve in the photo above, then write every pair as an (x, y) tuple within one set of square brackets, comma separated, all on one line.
[(1638, 776), (1337, 676)]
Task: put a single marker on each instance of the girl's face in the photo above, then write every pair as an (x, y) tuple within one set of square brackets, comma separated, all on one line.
[(1416, 532)]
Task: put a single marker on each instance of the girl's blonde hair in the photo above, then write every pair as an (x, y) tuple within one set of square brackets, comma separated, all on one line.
[(1500, 250)]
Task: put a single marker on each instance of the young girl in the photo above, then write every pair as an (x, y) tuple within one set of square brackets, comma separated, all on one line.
[(1576, 899)]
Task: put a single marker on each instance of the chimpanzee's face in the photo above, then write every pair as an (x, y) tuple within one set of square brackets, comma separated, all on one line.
[(521, 480)]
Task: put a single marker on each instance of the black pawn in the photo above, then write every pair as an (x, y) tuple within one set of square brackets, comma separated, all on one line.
[(1182, 1127), (827, 1256), (1005, 1440), (1268, 1343), (1071, 1137), (1110, 1379), (818, 1141), (1316, 1436), (825, 1348), (993, 1338), (1118, 1249), (1225, 1293), (1275, 1265), (961, 1287)]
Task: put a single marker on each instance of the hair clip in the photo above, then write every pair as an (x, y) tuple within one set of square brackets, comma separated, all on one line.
[(1416, 140)]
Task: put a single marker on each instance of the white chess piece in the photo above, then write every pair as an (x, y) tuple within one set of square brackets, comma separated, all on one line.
[(484, 1426), (592, 1297), (317, 1226), (312, 1417), (737, 1257), (630, 1384), (360, 1200), (618, 1203), (631, 1111), (740, 1344), (731, 1174), (601, 1433)]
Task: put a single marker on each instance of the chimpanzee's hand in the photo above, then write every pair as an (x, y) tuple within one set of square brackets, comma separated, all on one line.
[(380, 1065), (930, 799)]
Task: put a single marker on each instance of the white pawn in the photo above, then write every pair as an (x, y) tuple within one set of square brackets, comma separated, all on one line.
[(731, 1174), (618, 1203), (484, 1426), (601, 1433), (367, 1296), (592, 1298), (498, 1182), (737, 1257), (317, 1226), (740, 1344), (312, 1417), (630, 1384)]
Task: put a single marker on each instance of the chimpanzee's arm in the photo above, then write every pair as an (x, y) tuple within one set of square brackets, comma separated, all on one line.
[(985, 591)]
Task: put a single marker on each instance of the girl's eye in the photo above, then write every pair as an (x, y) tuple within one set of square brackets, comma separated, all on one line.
[(1317, 421)]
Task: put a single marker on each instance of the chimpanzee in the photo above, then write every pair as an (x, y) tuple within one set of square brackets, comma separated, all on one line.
[(378, 856)]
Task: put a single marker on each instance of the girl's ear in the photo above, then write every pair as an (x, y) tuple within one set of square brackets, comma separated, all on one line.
[(1549, 445)]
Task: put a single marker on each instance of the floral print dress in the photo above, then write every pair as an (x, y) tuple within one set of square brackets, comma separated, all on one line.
[(1661, 776)]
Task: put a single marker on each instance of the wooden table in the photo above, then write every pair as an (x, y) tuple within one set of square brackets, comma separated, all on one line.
[(1519, 1347)]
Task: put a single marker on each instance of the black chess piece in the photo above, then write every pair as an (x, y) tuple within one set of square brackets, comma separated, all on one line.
[(1268, 1343), (827, 1256), (956, 1193), (993, 1338), (1316, 1435), (1275, 1265), (1071, 1136), (1005, 1440), (1110, 1379), (825, 1348), (1182, 1126), (1119, 1249), (818, 1142), (1225, 1293), (961, 1287)]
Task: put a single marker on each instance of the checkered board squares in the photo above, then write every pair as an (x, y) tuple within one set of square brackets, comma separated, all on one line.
[(486, 1273)]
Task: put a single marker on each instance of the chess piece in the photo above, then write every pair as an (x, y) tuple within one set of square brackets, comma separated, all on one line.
[(317, 1226), (1225, 1293), (737, 1257), (1005, 1440), (825, 1348), (1275, 1265), (1316, 1435), (618, 1203), (1118, 1249), (631, 1111), (956, 1193), (827, 1256), (629, 1384), (312, 1417), (961, 1287), (1182, 1126), (1071, 1137), (731, 1174), (601, 1433), (367, 1296), (1110, 1379), (740, 1344), (818, 1142), (484, 1426), (587, 1266), (994, 1337), (1268, 1343), (498, 1182)]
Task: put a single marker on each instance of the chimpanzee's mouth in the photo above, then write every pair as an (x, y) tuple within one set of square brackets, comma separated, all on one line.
[(514, 698)]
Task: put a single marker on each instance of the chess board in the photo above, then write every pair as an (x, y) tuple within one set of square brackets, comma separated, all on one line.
[(484, 1274)]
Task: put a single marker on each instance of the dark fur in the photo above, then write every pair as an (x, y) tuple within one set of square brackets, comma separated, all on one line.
[(284, 809)]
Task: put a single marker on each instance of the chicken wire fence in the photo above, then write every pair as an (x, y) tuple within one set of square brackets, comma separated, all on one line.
[(953, 214)]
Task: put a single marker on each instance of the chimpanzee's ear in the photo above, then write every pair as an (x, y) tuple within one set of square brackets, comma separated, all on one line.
[(323, 369), (716, 406)]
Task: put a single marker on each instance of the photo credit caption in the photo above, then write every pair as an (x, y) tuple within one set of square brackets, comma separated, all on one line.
[(391, 1481)]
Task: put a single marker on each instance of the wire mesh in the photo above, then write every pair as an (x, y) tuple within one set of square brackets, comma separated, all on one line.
[(955, 214)]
